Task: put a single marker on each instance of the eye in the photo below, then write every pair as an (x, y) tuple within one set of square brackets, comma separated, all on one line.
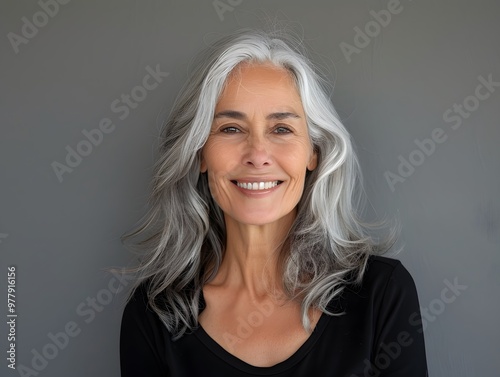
[(282, 130), (230, 130)]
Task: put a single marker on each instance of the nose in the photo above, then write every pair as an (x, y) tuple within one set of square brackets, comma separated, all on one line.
[(257, 152)]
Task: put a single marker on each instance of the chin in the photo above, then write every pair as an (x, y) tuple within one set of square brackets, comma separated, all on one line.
[(262, 218)]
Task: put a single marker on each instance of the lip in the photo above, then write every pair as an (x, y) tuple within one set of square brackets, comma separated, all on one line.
[(257, 179), (256, 193)]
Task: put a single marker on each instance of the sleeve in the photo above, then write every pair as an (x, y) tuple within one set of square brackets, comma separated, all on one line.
[(399, 343), (141, 343)]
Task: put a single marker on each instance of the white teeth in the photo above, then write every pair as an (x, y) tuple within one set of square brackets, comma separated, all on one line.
[(257, 185)]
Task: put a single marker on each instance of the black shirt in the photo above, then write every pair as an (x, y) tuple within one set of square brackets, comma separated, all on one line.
[(379, 335)]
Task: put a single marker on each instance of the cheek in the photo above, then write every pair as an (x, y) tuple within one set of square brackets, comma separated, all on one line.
[(207, 157), (213, 151), (296, 162), (214, 180), (212, 186), (217, 169), (219, 190)]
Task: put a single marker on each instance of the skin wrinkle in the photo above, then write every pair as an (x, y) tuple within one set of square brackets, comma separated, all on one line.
[(258, 144)]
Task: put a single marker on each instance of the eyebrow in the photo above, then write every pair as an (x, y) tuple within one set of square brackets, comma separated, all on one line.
[(241, 116)]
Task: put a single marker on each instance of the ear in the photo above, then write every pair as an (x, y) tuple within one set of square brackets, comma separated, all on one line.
[(313, 162), (203, 165)]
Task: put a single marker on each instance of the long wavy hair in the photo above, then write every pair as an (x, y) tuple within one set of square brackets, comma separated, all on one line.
[(182, 237)]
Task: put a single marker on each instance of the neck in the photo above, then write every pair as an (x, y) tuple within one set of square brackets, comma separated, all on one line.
[(250, 262)]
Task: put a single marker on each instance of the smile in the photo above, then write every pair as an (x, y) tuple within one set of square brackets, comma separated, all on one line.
[(257, 185)]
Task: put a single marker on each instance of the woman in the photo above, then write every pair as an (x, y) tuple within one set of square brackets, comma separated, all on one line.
[(256, 263)]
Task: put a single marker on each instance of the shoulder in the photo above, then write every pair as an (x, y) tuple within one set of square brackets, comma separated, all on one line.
[(138, 311), (380, 264), (140, 323), (385, 281), (386, 291), (143, 338), (383, 272), (389, 302), (138, 298)]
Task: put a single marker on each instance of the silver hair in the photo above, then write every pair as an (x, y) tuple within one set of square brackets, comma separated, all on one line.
[(182, 237)]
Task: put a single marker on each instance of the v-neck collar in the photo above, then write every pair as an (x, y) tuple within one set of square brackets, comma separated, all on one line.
[(245, 367)]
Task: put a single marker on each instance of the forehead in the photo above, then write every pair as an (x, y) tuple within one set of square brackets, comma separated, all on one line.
[(268, 70), (260, 84)]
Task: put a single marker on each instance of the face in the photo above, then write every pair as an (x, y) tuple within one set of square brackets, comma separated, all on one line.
[(259, 149)]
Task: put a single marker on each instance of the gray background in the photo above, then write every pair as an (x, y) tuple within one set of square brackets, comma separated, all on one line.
[(63, 235)]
